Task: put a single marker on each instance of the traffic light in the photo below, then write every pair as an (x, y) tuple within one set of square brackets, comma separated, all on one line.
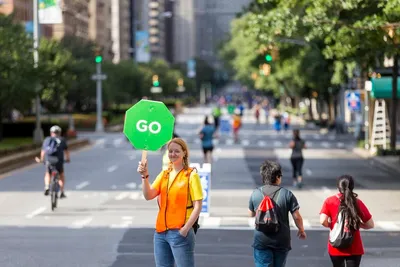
[(156, 83), (180, 82), (268, 57), (97, 53), (98, 59)]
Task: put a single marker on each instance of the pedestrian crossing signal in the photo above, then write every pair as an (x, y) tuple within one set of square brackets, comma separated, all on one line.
[(156, 83)]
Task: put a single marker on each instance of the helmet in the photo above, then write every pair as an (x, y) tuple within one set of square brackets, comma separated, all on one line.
[(55, 129)]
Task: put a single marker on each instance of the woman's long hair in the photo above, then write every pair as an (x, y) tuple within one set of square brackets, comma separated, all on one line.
[(348, 201), (296, 135)]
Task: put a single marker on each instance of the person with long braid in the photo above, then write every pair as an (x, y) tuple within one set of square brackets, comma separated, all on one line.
[(180, 196), (357, 216)]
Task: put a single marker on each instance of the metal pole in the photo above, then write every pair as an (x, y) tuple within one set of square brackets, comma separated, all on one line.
[(99, 107), (366, 122), (38, 133), (393, 126)]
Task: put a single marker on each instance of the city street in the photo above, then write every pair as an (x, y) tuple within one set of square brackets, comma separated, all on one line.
[(106, 222)]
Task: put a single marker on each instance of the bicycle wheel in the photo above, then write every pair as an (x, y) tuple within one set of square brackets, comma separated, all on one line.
[(53, 194)]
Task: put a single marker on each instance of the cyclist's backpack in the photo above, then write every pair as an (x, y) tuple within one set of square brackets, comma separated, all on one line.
[(341, 236), (267, 215), (54, 146)]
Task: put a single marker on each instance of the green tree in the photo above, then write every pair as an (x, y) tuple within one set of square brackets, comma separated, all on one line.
[(55, 74), (79, 47), (17, 75)]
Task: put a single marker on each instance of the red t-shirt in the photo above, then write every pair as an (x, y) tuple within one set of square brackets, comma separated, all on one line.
[(331, 209)]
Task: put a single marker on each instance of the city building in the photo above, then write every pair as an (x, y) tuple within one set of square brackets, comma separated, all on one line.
[(121, 29), (100, 26), (213, 21), (23, 12), (184, 31)]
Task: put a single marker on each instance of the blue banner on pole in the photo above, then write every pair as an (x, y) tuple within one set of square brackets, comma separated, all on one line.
[(353, 101), (205, 178)]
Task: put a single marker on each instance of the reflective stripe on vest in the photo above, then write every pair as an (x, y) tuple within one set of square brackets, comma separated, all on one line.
[(173, 202)]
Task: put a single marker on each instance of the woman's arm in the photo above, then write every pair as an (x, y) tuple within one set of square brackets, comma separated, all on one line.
[(197, 204), (324, 220), (291, 144), (368, 225), (149, 192)]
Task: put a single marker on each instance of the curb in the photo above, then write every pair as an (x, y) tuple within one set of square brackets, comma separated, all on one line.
[(375, 160), (16, 161)]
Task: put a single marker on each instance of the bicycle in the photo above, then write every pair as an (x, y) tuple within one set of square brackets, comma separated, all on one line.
[(54, 187)]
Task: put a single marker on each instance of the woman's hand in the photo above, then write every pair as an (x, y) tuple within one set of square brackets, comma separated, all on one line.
[(142, 168), (184, 231)]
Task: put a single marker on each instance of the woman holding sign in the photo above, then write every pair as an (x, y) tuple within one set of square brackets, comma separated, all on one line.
[(180, 198)]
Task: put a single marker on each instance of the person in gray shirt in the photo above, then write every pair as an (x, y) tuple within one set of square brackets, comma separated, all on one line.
[(297, 145), (271, 250)]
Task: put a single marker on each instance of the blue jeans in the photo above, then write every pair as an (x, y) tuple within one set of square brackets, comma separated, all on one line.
[(171, 247), (270, 258)]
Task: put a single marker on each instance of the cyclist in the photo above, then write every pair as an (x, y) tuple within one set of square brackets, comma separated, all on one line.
[(53, 149)]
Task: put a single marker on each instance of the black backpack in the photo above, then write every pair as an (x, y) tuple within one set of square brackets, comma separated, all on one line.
[(266, 219), (341, 236)]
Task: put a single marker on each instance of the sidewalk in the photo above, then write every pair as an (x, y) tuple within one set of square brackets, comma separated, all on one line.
[(390, 162)]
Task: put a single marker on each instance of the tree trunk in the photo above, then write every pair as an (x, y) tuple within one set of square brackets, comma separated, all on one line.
[(393, 116)]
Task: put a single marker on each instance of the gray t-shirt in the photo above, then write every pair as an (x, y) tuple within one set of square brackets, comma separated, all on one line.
[(286, 202), (297, 150), (62, 147)]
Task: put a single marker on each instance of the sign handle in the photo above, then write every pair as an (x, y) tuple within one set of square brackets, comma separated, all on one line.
[(144, 155)]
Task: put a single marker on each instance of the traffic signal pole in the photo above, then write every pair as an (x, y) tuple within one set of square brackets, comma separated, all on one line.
[(99, 101), (38, 133)]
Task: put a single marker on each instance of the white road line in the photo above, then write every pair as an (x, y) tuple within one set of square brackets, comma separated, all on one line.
[(113, 187), (308, 172), (211, 221), (309, 144), (261, 143), (112, 168), (251, 222), (131, 185), (118, 141), (306, 224), (82, 185), (125, 218), (122, 196), (326, 190), (81, 223), (316, 136), (331, 137), (215, 142), (35, 212), (325, 144), (197, 141), (387, 225), (99, 142), (135, 195), (277, 143), (229, 142), (340, 144), (245, 142)]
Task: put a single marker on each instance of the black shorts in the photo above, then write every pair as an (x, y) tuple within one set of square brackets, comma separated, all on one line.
[(58, 166), (207, 149)]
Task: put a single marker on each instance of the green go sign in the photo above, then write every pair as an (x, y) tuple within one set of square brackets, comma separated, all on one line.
[(148, 125)]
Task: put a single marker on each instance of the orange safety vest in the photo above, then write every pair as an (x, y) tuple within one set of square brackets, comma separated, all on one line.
[(173, 202)]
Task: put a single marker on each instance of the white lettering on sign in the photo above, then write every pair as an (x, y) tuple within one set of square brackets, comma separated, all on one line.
[(154, 127)]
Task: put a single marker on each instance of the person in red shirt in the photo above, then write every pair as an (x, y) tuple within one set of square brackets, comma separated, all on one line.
[(358, 217)]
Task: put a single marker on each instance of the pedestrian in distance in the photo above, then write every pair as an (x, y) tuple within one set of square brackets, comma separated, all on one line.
[(236, 125), (344, 214), (207, 134), (297, 145), (179, 195), (272, 244)]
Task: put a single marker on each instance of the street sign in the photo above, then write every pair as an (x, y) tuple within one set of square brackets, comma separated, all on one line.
[(155, 90), (205, 179), (148, 125), (180, 89), (96, 77), (353, 100)]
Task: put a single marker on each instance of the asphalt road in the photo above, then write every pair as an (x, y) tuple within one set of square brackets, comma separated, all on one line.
[(105, 221)]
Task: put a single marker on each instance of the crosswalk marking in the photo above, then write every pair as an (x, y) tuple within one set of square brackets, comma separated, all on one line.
[(388, 225), (81, 223)]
